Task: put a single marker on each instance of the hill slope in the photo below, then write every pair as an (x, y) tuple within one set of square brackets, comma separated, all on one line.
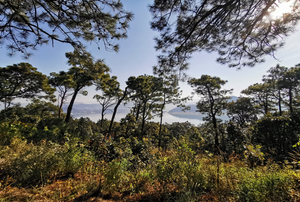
[(192, 113)]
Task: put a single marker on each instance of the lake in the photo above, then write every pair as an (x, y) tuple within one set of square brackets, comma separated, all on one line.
[(168, 118)]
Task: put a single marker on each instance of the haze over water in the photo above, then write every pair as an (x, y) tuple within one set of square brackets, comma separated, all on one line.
[(168, 118)]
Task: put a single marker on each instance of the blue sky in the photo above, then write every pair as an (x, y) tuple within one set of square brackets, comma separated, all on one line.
[(137, 56)]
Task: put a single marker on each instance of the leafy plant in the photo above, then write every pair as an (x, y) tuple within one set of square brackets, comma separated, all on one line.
[(253, 155), (269, 187), (116, 174), (180, 168), (30, 164)]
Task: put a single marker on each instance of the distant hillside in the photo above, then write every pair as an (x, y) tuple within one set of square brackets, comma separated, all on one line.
[(81, 108), (192, 113)]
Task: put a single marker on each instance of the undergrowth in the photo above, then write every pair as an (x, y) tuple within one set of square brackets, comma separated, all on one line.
[(52, 172)]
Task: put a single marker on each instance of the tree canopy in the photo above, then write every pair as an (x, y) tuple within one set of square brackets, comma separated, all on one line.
[(262, 96), (241, 31), (23, 81), (84, 72), (213, 99), (26, 24), (146, 92)]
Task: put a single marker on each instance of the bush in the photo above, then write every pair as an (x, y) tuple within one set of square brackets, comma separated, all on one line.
[(30, 164), (269, 187), (181, 169), (276, 135), (116, 175), (7, 132), (73, 158), (253, 155), (137, 152)]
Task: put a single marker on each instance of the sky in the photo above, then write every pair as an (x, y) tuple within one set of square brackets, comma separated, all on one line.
[(137, 56)]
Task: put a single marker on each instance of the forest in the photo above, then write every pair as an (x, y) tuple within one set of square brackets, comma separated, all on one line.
[(48, 155)]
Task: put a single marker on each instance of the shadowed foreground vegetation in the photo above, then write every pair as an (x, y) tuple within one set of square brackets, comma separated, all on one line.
[(39, 163)]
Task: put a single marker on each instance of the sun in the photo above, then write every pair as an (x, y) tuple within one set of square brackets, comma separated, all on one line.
[(281, 8)]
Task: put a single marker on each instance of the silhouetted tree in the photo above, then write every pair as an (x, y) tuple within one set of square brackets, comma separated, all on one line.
[(241, 31), (26, 24), (23, 81), (85, 72), (213, 100)]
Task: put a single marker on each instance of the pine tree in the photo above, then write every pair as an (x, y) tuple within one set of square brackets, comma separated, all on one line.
[(26, 24), (241, 31)]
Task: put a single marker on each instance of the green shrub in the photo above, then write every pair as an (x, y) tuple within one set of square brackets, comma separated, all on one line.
[(8, 131), (269, 187), (73, 157), (181, 169), (116, 175), (276, 135), (30, 164), (141, 179), (253, 155)]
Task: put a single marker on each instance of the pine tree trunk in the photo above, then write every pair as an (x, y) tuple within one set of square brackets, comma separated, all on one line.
[(102, 116), (279, 103), (115, 110), (143, 118), (160, 124), (71, 105), (216, 132), (61, 104), (290, 101)]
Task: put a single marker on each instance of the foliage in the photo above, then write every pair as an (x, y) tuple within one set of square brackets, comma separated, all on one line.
[(235, 139), (105, 101), (74, 157), (276, 135), (84, 129), (25, 25), (274, 78), (128, 125), (30, 164), (186, 130), (213, 99), (116, 175), (35, 122), (242, 111), (269, 187), (10, 131), (181, 169), (240, 31), (253, 155), (32, 113), (289, 83), (64, 83), (171, 95), (84, 72), (261, 95), (23, 81), (145, 92)]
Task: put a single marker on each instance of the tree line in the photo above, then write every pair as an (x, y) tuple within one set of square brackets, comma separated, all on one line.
[(276, 97)]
